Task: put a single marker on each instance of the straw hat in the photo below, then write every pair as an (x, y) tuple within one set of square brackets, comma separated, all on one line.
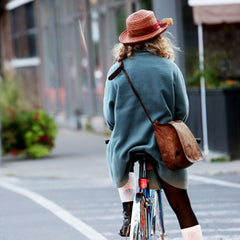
[(143, 25)]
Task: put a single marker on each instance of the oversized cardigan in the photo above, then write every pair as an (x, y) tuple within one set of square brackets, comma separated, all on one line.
[(162, 89)]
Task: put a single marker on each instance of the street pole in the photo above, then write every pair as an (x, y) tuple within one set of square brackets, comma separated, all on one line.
[(132, 6), (0, 139), (203, 90), (91, 61)]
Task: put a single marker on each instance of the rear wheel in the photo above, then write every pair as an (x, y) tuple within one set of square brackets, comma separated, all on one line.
[(158, 231), (139, 222)]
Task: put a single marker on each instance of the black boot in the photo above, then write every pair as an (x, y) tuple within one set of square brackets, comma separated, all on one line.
[(127, 214)]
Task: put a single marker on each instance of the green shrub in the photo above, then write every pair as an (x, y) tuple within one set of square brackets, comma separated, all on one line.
[(31, 133), (24, 130)]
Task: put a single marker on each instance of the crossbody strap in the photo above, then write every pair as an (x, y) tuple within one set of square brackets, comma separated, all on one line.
[(135, 91)]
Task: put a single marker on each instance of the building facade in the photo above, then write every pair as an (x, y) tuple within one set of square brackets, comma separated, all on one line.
[(61, 49)]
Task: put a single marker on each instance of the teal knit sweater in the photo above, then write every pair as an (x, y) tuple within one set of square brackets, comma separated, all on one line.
[(161, 87)]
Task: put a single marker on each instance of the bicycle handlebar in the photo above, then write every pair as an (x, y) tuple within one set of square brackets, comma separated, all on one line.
[(198, 140)]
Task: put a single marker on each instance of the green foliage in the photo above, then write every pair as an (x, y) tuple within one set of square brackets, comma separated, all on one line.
[(38, 151), (31, 133), (13, 128), (24, 130), (88, 127), (210, 75), (12, 94), (219, 159), (214, 75), (41, 130)]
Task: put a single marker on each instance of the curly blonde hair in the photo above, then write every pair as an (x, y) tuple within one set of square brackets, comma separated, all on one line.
[(160, 46)]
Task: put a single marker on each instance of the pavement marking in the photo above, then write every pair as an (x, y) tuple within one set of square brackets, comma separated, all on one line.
[(214, 181), (209, 230), (61, 213), (215, 237)]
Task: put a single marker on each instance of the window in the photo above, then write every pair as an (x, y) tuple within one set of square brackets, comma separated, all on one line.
[(23, 31)]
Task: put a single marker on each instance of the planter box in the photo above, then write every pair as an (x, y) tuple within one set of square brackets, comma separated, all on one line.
[(223, 119)]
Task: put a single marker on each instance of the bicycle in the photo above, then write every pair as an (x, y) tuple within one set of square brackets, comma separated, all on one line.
[(147, 221)]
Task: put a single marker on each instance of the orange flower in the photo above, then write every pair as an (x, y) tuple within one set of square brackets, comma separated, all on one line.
[(229, 82), (36, 116)]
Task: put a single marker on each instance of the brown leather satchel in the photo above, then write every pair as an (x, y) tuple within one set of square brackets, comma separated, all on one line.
[(177, 145)]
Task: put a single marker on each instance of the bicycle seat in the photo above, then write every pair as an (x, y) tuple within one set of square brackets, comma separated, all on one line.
[(141, 156)]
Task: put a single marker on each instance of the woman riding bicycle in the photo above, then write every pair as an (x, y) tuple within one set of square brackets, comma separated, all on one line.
[(148, 59)]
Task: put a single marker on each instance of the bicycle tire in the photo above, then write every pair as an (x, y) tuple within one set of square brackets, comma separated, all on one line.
[(139, 222), (157, 231)]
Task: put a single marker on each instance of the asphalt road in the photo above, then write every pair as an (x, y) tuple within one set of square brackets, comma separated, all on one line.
[(69, 196), (26, 217)]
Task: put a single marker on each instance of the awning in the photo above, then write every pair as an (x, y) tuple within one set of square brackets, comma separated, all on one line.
[(216, 14), (194, 3), (215, 11)]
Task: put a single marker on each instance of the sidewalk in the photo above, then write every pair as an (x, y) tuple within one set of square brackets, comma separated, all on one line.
[(80, 154), (77, 154)]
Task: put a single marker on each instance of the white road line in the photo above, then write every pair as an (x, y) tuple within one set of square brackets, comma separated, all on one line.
[(215, 237), (61, 213), (214, 181), (210, 230)]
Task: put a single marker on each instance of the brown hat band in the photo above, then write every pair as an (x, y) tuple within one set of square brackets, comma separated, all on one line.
[(146, 30)]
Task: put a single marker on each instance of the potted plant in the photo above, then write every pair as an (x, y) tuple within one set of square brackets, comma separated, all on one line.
[(222, 104)]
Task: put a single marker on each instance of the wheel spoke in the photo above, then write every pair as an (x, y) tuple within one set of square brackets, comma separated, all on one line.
[(158, 230), (139, 222)]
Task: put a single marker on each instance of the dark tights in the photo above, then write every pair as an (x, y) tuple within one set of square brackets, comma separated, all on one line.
[(180, 203)]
